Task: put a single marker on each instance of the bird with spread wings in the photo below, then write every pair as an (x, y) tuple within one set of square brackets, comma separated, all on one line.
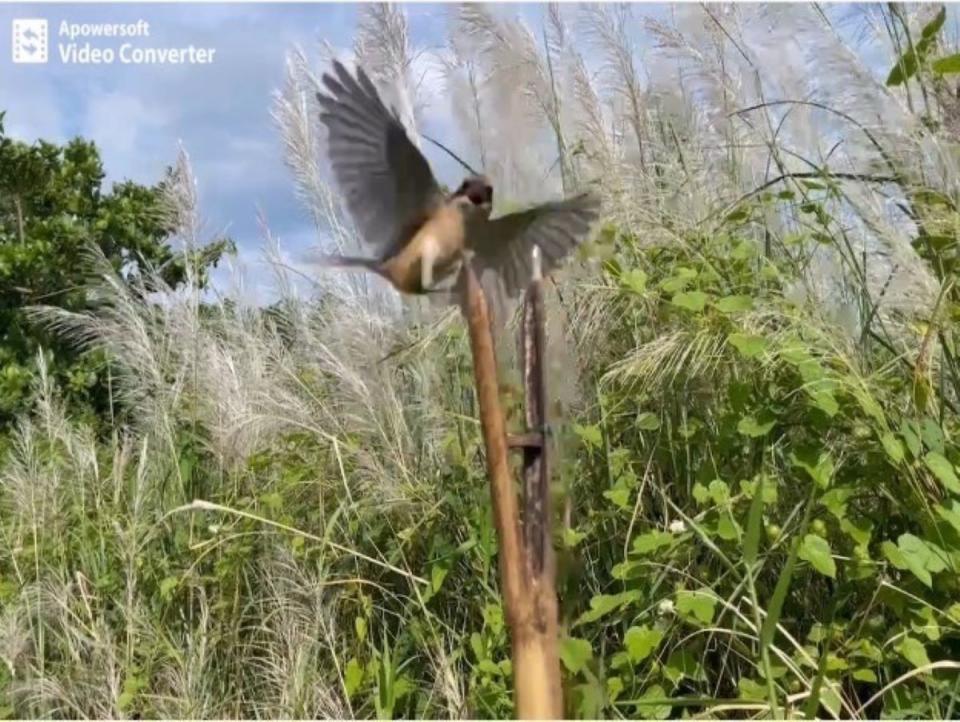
[(421, 235)]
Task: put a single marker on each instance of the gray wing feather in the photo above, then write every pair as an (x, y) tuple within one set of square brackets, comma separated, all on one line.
[(386, 182), (504, 245)]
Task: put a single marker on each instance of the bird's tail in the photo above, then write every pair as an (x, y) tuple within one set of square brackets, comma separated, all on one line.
[(328, 260)]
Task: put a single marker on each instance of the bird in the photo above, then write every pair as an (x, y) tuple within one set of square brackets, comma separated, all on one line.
[(419, 234)]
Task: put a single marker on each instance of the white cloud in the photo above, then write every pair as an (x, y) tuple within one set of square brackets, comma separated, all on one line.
[(123, 126)]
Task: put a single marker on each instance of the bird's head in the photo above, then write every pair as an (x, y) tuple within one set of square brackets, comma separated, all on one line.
[(478, 191)]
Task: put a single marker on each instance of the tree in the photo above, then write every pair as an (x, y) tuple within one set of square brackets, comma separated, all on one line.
[(53, 208)]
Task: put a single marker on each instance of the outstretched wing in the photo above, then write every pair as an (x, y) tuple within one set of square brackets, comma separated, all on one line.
[(387, 183), (504, 245)]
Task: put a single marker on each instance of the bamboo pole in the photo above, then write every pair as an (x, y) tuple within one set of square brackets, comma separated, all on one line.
[(529, 604), (537, 516)]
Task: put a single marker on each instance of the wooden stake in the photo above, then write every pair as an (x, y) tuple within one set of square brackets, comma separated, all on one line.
[(539, 558), (529, 599)]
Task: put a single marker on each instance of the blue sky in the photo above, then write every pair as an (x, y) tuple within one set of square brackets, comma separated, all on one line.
[(137, 115), (220, 112)]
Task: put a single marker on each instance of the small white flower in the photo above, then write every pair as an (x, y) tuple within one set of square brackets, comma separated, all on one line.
[(677, 527), (665, 607)]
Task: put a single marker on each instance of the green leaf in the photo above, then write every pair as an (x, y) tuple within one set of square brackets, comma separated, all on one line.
[(590, 434), (727, 527), (909, 431), (859, 531), (353, 676), (811, 371), (652, 540), (700, 605), (816, 550), (869, 404), (682, 664), (825, 401), (650, 705), (831, 700), (835, 500), (635, 280), (603, 604), (679, 281), (748, 346), (477, 646), (575, 653), (904, 69), (737, 214), (131, 687), (819, 466), (438, 572), (167, 585), (614, 688), (493, 617), (947, 65), (751, 690), (893, 554), (648, 421), (943, 470), (934, 26), (619, 495), (488, 666), (750, 426), (589, 698), (921, 557), (691, 300), (640, 642), (734, 304), (951, 515), (751, 543), (719, 491), (932, 435), (273, 501), (913, 651), (572, 537), (700, 494), (893, 447)]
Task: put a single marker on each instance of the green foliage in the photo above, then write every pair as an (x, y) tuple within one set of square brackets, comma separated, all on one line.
[(53, 210), (781, 429), (763, 508), (916, 55), (783, 529)]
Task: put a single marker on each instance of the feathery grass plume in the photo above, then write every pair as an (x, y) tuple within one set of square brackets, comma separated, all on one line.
[(382, 47), (608, 28), (296, 651), (297, 117), (296, 113), (461, 79), (597, 158), (517, 101)]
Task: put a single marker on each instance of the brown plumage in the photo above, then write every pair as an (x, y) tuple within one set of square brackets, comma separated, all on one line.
[(420, 235)]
